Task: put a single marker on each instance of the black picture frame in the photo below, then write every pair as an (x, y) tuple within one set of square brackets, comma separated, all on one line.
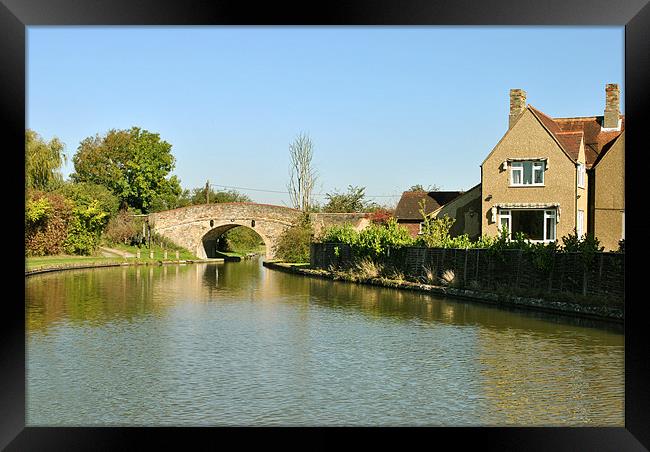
[(16, 15)]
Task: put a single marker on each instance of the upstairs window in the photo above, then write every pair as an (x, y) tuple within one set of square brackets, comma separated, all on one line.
[(581, 175), (527, 172)]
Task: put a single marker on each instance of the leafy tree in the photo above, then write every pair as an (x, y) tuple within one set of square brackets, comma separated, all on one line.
[(133, 164), (420, 187), (352, 201), (381, 215), (198, 196), (170, 196), (84, 193), (302, 176), (123, 227), (43, 161)]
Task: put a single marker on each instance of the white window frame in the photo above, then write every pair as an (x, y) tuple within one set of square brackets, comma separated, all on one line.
[(506, 214), (581, 175), (623, 227), (550, 214), (519, 168), (580, 220), (421, 224), (538, 166)]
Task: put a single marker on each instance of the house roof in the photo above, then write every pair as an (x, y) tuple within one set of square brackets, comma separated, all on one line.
[(606, 148), (570, 131), (408, 207), (460, 197)]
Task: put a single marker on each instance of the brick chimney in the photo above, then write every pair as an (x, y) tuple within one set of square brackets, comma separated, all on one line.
[(612, 105), (517, 105)]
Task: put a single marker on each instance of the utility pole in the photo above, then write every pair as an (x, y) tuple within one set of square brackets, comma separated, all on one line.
[(207, 191)]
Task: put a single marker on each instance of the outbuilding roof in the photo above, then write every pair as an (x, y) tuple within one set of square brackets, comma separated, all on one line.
[(408, 207)]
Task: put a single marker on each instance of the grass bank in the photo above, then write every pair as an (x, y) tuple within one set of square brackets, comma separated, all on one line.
[(61, 262)]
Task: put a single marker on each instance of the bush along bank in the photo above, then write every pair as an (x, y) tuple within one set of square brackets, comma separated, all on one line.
[(577, 273)]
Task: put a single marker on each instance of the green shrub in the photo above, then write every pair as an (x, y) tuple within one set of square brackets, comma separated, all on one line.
[(46, 223), (373, 241), (293, 244), (85, 227)]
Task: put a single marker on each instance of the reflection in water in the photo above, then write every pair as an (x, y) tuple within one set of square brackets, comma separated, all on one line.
[(237, 344)]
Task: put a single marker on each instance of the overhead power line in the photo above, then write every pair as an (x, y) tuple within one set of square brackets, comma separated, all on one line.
[(286, 192)]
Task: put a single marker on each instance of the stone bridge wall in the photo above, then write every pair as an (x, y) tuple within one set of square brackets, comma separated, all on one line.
[(197, 227)]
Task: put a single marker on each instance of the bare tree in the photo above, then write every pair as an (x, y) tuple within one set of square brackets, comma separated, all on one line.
[(302, 176)]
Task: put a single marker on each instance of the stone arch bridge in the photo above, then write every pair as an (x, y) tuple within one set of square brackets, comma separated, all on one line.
[(198, 227)]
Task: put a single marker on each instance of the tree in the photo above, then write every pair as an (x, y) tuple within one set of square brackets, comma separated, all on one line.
[(420, 187), (302, 176), (133, 164), (85, 193), (170, 196), (352, 201), (43, 161), (198, 196)]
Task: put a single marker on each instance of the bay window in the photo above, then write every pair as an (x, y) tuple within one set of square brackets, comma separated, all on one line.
[(537, 225)]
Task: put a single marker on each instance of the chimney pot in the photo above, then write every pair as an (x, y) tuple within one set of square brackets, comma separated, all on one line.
[(517, 105), (612, 106)]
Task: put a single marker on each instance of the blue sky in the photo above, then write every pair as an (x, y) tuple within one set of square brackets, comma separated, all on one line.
[(386, 107)]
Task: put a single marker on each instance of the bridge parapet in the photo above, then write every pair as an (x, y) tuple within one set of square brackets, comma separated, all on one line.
[(321, 220)]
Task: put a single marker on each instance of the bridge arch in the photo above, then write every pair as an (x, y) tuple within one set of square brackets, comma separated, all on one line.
[(191, 226), (209, 240)]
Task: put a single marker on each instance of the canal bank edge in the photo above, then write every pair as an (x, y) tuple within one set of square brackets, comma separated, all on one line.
[(56, 268), (556, 307)]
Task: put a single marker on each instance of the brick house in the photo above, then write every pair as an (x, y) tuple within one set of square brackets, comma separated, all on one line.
[(408, 213), (544, 177)]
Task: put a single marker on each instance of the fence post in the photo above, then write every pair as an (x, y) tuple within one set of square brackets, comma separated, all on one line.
[(465, 269), (178, 255), (518, 268)]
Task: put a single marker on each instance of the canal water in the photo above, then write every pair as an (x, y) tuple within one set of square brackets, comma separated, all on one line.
[(238, 344)]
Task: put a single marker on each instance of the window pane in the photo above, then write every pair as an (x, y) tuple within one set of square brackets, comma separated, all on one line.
[(580, 221), (529, 222), (550, 228), (538, 171), (528, 172), (516, 176)]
